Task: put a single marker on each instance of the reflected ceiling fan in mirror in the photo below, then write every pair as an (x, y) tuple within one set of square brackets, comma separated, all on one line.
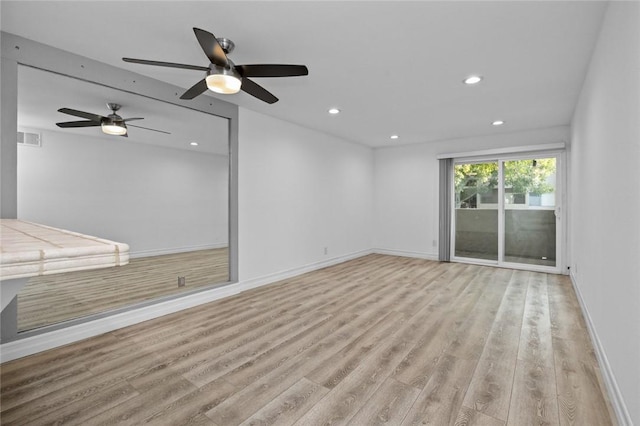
[(111, 124), (223, 76)]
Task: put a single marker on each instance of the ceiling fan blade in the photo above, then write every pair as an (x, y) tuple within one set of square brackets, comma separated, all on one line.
[(165, 64), (133, 118), (272, 70), (254, 89), (211, 47), (195, 90), (88, 123), (146, 128), (82, 114)]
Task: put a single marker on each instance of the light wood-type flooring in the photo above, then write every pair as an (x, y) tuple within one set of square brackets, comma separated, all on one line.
[(376, 340), (51, 299)]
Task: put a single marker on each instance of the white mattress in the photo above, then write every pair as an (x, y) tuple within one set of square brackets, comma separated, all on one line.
[(28, 249)]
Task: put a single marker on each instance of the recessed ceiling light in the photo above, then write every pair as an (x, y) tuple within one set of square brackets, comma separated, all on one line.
[(393, 137), (193, 143), (498, 123), (334, 111), (473, 79)]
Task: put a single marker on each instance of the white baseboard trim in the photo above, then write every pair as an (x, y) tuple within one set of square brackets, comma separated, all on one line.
[(405, 253), (617, 400), (55, 338), (283, 275), (60, 337), (174, 250)]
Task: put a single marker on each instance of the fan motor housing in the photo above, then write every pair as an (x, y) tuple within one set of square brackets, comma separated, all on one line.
[(226, 44)]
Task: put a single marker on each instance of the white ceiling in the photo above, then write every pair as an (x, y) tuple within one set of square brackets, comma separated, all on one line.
[(41, 94), (391, 67)]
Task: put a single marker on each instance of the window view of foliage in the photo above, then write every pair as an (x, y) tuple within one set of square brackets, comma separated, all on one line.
[(521, 177)]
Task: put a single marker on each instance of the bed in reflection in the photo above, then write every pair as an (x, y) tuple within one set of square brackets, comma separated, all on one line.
[(30, 249)]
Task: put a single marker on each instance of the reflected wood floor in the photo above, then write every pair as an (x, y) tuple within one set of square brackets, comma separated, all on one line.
[(376, 340), (51, 299)]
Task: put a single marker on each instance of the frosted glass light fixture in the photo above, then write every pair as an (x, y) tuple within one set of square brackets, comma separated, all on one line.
[(394, 137), (498, 123), (224, 83), (112, 128), (334, 111)]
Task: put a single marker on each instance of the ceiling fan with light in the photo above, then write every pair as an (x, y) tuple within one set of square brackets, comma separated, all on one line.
[(111, 124), (222, 75)]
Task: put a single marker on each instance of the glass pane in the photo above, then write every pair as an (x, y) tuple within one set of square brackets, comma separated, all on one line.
[(530, 221), (476, 213), (163, 197)]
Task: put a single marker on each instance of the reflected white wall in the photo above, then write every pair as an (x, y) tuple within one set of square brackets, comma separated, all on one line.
[(157, 200)]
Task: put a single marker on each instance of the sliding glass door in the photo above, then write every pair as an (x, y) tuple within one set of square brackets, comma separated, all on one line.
[(505, 212), (476, 210), (530, 211)]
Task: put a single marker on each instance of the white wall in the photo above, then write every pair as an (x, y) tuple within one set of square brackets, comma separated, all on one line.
[(605, 196), (157, 200), (299, 192), (406, 187)]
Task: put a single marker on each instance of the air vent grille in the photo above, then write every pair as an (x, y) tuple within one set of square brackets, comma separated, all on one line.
[(29, 139)]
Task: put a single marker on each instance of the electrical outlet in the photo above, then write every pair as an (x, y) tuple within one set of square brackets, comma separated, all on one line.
[(182, 281), (435, 243), (326, 250)]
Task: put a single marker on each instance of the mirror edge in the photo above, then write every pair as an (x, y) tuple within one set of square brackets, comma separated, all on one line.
[(16, 50)]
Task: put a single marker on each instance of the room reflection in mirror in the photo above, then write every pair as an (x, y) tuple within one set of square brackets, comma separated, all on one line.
[(155, 190)]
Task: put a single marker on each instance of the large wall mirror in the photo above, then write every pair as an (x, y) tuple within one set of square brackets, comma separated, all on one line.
[(160, 193)]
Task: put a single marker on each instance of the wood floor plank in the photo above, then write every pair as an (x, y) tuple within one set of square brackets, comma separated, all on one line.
[(33, 386), (80, 411), (535, 338), (225, 309), (440, 401), (378, 339), (199, 325), (382, 298), (490, 388), (445, 310), (43, 363), (287, 407), (335, 368), (229, 334), (202, 370), (348, 397), (265, 362), (124, 362), (581, 400), (534, 398), (563, 308), (388, 405), (471, 336), (50, 299), (199, 322), (190, 409), (246, 401), (135, 410), (470, 417), (52, 401)]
